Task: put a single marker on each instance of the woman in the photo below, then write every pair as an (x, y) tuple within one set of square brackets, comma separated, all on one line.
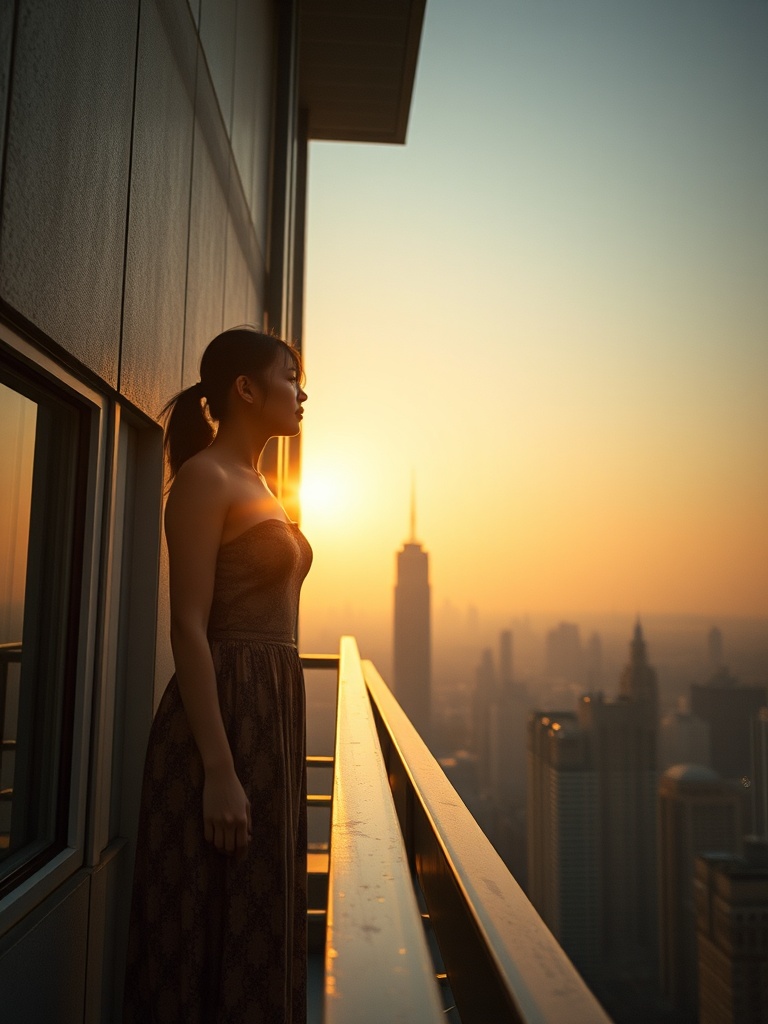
[(218, 922)]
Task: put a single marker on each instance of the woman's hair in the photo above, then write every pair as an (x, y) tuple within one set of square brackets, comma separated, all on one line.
[(241, 350)]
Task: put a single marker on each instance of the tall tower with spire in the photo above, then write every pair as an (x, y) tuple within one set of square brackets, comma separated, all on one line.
[(412, 647), (638, 680)]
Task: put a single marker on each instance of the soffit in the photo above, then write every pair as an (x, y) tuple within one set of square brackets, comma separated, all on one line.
[(357, 67)]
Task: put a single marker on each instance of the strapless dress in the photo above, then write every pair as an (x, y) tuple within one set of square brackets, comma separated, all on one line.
[(213, 941)]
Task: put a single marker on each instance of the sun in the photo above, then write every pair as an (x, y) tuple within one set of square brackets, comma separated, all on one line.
[(323, 494)]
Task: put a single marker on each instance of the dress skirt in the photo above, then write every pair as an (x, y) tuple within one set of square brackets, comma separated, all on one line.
[(214, 941)]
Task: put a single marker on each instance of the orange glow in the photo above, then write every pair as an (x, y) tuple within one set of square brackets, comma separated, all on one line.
[(324, 494), (592, 436)]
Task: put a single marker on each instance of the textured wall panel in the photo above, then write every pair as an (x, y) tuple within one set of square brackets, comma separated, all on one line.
[(156, 266), (217, 33), (66, 176), (254, 302), (257, 188), (42, 974), (6, 31), (245, 269), (207, 229), (236, 283), (246, 84)]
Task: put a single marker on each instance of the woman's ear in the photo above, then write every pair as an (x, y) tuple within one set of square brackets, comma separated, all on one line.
[(245, 388)]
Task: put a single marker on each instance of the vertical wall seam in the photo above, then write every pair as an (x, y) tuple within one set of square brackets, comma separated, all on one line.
[(230, 164), (189, 205), (128, 200)]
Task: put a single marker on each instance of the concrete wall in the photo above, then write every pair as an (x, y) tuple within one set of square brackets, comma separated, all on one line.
[(136, 179)]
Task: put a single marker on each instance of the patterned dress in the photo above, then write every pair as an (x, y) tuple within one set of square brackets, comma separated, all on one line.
[(213, 941)]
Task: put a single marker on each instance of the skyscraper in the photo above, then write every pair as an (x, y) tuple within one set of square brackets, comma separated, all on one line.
[(484, 717), (412, 647), (564, 653), (506, 669), (715, 649), (564, 868), (760, 774), (732, 927), (593, 779), (624, 736), (728, 707), (698, 813), (683, 739)]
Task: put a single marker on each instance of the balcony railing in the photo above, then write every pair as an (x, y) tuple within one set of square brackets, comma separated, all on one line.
[(401, 837), (10, 654)]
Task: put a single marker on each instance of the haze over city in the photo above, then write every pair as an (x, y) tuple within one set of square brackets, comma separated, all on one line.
[(550, 308)]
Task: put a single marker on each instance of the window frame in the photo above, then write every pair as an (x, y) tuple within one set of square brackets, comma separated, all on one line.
[(45, 873)]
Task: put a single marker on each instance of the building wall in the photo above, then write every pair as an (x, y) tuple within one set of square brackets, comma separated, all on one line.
[(623, 735), (564, 870), (695, 816), (574, 866), (759, 744), (151, 195), (732, 931)]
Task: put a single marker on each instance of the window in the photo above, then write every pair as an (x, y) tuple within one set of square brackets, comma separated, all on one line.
[(43, 466)]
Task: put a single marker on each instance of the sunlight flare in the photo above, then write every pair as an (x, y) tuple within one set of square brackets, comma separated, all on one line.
[(324, 493)]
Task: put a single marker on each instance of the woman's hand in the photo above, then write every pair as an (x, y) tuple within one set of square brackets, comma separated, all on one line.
[(226, 812)]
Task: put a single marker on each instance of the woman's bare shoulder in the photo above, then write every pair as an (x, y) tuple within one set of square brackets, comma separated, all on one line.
[(201, 484), (202, 468)]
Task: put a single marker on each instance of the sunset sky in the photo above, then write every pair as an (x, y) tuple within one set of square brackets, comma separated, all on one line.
[(551, 307)]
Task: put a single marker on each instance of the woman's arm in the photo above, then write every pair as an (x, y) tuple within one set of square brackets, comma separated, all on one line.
[(194, 518)]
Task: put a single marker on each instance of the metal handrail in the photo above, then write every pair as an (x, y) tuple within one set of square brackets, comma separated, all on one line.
[(378, 967), (502, 962)]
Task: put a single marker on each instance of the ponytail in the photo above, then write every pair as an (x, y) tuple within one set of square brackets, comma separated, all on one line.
[(187, 429)]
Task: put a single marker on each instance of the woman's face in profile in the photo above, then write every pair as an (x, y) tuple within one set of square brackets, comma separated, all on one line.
[(281, 412)]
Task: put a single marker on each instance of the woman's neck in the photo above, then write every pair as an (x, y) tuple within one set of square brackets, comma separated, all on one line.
[(238, 446)]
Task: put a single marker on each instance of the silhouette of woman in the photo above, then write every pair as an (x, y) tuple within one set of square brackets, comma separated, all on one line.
[(218, 918)]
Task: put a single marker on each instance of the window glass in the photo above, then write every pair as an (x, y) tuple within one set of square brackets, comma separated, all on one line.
[(17, 427), (41, 466)]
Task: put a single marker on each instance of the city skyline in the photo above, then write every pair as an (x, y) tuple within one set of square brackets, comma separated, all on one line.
[(550, 305)]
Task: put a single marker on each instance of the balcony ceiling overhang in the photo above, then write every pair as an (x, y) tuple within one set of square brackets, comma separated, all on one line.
[(358, 64)]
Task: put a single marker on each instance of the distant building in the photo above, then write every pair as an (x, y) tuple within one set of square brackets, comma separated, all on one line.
[(597, 887), (412, 646), (698, 813), (625, 738), (760, 774), (728, 708), (499, 712), (509, 716), (484, 698), (683, 739), (506, 664), (715, 649), (593, 662), (564, 835), (564, 653), (732, 931)]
